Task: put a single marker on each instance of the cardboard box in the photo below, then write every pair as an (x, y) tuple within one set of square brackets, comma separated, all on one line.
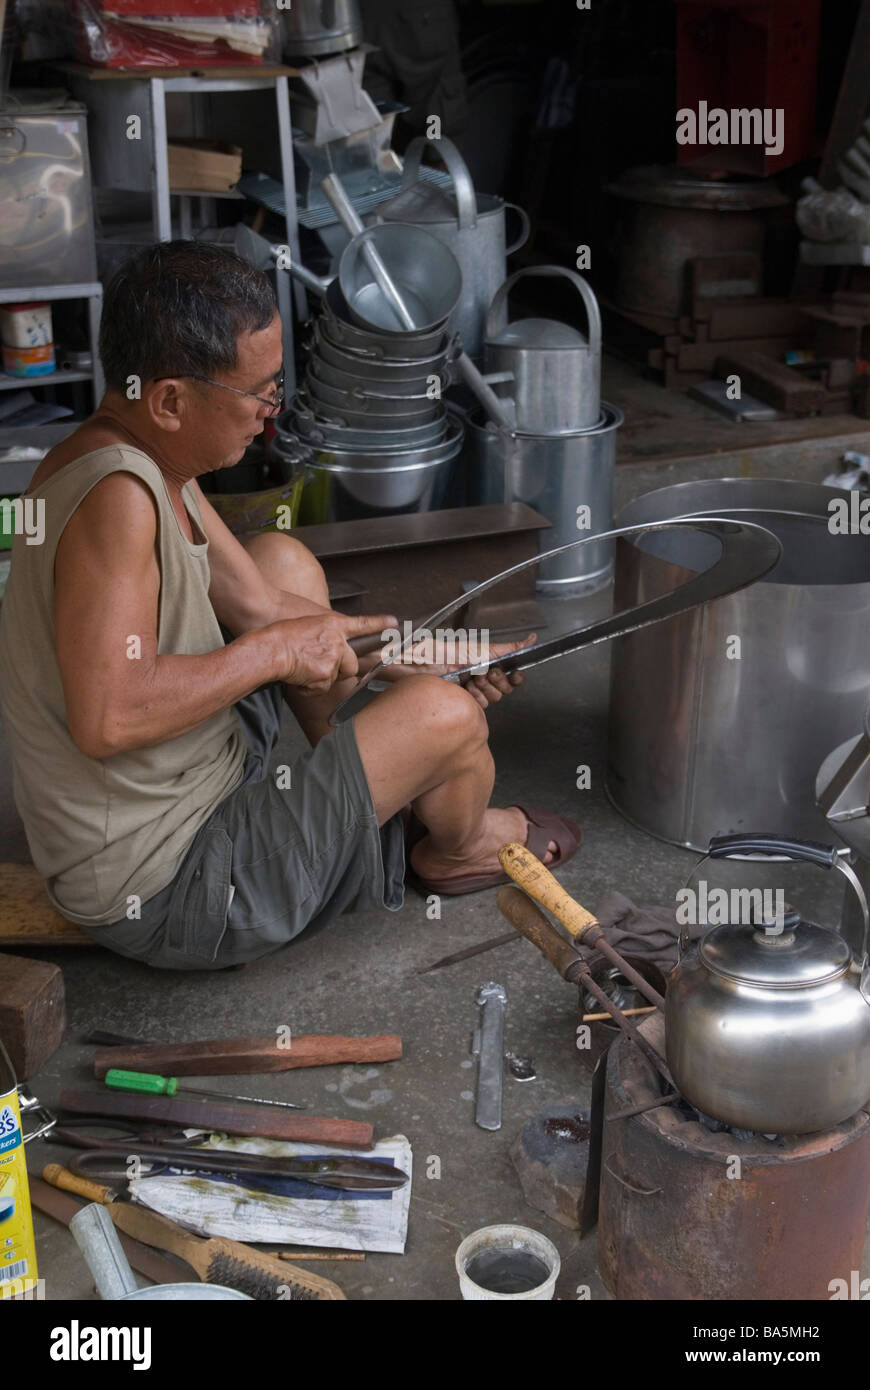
[(210, 166)]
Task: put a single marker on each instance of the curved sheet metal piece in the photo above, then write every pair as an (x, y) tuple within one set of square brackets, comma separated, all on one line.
[(749, 552)]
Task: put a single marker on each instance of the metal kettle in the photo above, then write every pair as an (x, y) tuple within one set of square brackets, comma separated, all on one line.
[(768, 1025)]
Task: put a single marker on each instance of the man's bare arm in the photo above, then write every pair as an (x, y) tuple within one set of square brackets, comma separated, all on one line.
[(120, 695)]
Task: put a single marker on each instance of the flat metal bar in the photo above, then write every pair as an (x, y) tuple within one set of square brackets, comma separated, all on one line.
[(490, 1066)]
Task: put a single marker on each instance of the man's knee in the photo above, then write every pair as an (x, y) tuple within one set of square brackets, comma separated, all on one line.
[(446, 711), (289, 565)]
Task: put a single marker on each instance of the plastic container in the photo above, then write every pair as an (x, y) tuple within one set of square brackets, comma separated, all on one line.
[(511, 1240), (18, 1274)]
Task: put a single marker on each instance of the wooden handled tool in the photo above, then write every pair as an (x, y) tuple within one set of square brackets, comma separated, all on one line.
[(216, 1261), (61, 1177), (521, 912), (243, 1056), (572, 966), (228, 1119), (536, 880), (62, 1206)]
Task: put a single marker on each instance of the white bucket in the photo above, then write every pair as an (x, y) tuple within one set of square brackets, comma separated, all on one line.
[(507, 1239)]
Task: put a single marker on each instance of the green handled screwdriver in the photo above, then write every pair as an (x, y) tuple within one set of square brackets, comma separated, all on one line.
[(168, 1086)]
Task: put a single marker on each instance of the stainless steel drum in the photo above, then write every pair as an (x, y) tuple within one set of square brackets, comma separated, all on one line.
[(557, 475), (720, 718)]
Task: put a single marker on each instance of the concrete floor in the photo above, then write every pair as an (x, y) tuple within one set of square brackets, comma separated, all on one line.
[(359, 975)]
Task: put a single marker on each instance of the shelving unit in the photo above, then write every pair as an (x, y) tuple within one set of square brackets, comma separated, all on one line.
[(36, 434), (142, 165)]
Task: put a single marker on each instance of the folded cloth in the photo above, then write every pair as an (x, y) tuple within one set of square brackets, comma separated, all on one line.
[(650, 932)]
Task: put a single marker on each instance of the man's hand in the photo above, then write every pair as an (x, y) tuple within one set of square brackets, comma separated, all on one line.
[(316, 651), (487, 689)]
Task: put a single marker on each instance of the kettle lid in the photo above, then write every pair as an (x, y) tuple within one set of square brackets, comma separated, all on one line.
[(799, 955), (541, 333)]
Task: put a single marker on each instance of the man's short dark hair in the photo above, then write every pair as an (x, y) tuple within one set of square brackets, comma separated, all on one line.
[(177, 309)]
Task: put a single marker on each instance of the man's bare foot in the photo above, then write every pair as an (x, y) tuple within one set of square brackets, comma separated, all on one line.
[(500, 827)]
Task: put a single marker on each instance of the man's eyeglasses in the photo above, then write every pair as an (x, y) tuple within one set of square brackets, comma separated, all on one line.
[(274, 403)]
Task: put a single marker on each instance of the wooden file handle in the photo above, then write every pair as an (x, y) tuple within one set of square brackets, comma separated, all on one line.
[(536, 880), (533, 925)]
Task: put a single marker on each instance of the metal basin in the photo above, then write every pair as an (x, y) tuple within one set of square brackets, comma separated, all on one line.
[(349, 335), (301, 419), (346, 486), (425, 272), (373, 419), (360, 456), (407, 378), (356, 397)]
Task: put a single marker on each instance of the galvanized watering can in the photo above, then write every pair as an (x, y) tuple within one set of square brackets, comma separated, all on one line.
[(472, 225), (553, 371)]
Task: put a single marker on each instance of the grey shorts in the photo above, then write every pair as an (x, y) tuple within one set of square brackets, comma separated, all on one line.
[(272, 859)]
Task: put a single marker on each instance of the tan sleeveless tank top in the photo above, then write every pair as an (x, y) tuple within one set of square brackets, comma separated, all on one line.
[(101, 830)]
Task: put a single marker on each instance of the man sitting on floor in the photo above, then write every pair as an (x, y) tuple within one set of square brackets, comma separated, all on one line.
[(141, 740)]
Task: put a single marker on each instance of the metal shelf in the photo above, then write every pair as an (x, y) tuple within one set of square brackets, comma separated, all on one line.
[(91, 291), (144, 165), (24, 383), (25, 293)]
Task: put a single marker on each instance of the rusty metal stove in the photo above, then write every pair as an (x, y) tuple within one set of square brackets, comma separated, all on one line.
[(685, 1213)]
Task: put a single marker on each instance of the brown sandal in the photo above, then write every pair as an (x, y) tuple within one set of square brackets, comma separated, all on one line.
[(544, 826)]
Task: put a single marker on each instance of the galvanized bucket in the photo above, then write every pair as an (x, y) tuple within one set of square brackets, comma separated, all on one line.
[(720, 718), (556, 475)]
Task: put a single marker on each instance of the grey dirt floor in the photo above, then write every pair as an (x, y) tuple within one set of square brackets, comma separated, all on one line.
[(359, 976)]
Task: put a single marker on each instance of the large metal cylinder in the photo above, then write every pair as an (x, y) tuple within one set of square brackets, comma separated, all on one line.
[(719, 718), (685, 1213), (557, 475)]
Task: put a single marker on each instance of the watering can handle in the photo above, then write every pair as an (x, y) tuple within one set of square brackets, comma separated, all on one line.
[(466, 198), (525, 228), (808, 851), (548, 272)]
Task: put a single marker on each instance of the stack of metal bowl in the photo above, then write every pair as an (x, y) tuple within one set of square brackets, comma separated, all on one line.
[(369, 422)]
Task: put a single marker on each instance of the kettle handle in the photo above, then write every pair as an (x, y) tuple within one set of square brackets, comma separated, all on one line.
[(548, 272), (466, 198), (811, 852), (772, 846)]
